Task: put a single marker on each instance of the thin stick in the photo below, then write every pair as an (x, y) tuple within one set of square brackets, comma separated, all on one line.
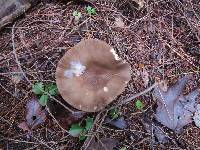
[(139, 94), (15, 54)]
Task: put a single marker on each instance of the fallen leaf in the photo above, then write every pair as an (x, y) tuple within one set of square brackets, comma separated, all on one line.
[(119, 122), (157, 132), (174, 109), (160, 135), (119, 22), (35, 116), (102, 144), (196, 116), (24, 126)]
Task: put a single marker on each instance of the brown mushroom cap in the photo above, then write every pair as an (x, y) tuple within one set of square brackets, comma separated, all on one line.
[(100, 78)]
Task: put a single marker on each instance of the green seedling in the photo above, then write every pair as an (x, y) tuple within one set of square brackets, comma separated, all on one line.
[(41, 91), (114, 113), (77, 130), (90, 10), (139, 104), (123, 148), (77, 15)]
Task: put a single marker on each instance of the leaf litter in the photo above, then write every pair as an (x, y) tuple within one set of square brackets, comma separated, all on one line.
[(175, 110), (102, 144), (139, 56), (35, 116)]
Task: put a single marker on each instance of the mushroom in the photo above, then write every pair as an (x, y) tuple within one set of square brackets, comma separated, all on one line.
[(91, 75)]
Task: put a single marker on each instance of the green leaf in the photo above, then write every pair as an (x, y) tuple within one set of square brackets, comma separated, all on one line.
[(43, 100), (38, 88), (82, 138), (75, 130), (123, 148), (79, 15), (75, 13), (90, 10), (89, 123), (93, 11), (139, 104), (114, 113), (52, 89)]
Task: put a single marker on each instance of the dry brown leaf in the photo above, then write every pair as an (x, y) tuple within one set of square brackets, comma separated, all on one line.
[(196, 116), (35, 115), (102, 144), (174, 109), (24, 126), (119, 22)]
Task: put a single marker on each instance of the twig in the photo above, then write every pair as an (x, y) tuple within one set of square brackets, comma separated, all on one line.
[(43, 143), (20, 68), (89, 138), (138, 94), (15, 54)]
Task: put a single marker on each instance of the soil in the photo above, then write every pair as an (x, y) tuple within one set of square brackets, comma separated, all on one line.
[(161, 38)]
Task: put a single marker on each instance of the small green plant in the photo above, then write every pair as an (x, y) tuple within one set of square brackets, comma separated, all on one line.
[(139, 104), (77, 130), (90, 10), (114, 113), (123, 148), (77, 15), (41, 91)]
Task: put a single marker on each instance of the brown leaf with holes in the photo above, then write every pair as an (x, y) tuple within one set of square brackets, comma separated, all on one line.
[(35, 116), (175, 109)]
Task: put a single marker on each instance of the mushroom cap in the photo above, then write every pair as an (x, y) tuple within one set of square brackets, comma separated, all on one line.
[(91, 75)]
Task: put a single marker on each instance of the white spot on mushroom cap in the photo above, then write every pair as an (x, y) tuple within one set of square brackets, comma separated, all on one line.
[(95, 107), (76, 69), (105, 89), (115, 54)]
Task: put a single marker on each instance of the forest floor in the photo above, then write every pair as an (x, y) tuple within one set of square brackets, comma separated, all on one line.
[(160, 41)]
